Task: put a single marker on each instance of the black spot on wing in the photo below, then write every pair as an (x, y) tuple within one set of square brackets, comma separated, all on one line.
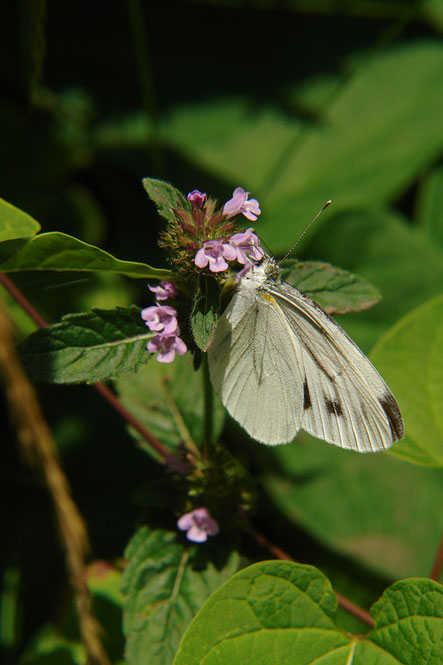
[(390, 407), (307, 404), (333, 406)]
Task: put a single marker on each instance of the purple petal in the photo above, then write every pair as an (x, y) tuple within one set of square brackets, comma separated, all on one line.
[(166, 357), (180, 346), (185, 522), (234, 205), (197, 535), (212, 527), (201, 259), (218, 265), (229, 252)]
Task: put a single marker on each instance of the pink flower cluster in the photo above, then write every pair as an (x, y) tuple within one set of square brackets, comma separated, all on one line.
[(198, 525), (162, 319), (242, 247)]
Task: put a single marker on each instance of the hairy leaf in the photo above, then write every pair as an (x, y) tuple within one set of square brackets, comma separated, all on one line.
[(411, 356), (58, 251), (165, 583), (334, 289), (166, 197), (88, 347), (205, 311), (14, 223), (283, 612)]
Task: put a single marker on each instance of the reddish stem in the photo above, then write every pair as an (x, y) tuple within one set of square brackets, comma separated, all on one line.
[(107, 394), (438, 564), (344, 602)]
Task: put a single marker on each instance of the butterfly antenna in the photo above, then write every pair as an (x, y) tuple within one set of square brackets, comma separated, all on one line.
[(306, 229)]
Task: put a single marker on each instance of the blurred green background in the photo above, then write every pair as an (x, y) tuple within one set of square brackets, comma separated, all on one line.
[(296, 101)]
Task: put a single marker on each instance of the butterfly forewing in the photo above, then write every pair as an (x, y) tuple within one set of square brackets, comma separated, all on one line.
[(255, 367)]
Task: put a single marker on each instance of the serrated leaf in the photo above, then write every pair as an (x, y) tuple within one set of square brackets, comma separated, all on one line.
[(205, 309), (58, 251), (165, 583), (166, 197), (88, 347), (169, 400), (14, 223), (334, 289), (362, 506), (411, 358), (283, 612)]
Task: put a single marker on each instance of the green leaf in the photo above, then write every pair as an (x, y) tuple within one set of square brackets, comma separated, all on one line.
[(411, 357), (88, 347), (166, 197), (168, 400), (362, 506), (14, 223), (430, 206), (165, 583), (58, 251), (374, 133), (334, 289), (408, 624), (205, 311), (283, 612)]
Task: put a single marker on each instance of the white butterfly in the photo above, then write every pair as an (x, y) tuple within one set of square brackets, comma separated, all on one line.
[(279, 364)]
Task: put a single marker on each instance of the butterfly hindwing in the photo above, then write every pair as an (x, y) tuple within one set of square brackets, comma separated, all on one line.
[(255, 367)]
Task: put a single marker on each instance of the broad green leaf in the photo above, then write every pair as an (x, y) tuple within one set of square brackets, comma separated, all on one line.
[(408, 625), (363, 506), (14, 223), (334, 289), (411, 356), (88, 347), (205, 311), (166, 197), (374, 133), (430, 206), (283, 612), (398, 259), (165, 583), (169, 400), (270, 612), (58, 251)]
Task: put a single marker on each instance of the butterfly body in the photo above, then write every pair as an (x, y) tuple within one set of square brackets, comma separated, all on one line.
[(279, 364)]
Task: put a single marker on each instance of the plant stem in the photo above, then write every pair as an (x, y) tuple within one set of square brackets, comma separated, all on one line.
[(208, 408), (438, 564), (344, 602), (104, 391)]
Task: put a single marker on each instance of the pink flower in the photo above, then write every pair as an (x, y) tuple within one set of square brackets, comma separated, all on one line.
[(196, 198), (239, 203), (215, 252), (164, 290), (247, 245), (166, 346), (161, 318), (198, 524)]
